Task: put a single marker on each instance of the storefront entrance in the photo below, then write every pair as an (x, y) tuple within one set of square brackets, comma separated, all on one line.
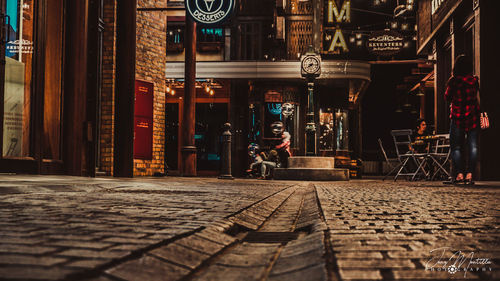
[(212, 111)]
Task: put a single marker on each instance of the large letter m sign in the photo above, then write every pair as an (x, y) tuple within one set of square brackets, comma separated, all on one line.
[(334, 16)]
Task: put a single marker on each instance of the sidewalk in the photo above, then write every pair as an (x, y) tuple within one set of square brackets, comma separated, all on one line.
[(72, 228)]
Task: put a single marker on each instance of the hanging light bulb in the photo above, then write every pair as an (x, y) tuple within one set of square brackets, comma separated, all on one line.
[(394, 25), (404, 26), (172, 92), (168, 89), (358, 35), (212, 92), (352, 39), (207, 89)]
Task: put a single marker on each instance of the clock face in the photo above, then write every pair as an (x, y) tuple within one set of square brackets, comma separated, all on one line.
[(310, 64)]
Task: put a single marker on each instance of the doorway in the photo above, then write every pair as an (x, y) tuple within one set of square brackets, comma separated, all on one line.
[(210, 118)]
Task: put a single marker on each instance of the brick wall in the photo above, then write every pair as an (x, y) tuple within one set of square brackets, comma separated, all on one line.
[(150, 66), (108, 88)]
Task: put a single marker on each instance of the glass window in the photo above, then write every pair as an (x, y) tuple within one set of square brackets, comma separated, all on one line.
[(326, 131), (18, 70), (342, 130), (210, 35)]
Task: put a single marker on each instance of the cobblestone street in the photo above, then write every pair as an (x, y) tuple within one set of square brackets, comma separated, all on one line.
[(69, 228)]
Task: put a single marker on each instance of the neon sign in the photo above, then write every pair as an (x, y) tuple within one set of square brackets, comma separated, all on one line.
[(333, 39)]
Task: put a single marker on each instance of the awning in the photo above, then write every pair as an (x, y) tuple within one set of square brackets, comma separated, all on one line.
[(341, 69)]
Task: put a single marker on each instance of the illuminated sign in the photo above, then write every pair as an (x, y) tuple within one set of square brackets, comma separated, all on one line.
[(209, 12), (333, 38), (334, 41), (334, 16), (385, 43)]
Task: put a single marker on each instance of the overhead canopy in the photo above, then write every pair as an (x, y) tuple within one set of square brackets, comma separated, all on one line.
[(341, 69)]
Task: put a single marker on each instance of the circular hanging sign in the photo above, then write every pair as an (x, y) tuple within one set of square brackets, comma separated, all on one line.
[(209, 12), (385, 43)]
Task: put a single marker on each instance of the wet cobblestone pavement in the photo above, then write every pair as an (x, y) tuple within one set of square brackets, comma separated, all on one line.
[(69, 228)]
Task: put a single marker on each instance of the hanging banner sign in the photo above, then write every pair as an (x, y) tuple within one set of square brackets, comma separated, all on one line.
[(209, 12), (385, 43), (143, 120)]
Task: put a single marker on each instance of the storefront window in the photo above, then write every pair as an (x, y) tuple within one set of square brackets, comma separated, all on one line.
[(326, 131), (18, 70), (342, 130)]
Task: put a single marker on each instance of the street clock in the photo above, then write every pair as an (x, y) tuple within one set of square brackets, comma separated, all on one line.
[(310, 65)]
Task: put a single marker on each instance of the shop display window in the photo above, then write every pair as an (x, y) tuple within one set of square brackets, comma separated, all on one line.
[(341, 130), (326, 131), (18, 78)]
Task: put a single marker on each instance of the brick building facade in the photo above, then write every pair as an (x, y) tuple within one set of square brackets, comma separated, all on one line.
[(150, 67)]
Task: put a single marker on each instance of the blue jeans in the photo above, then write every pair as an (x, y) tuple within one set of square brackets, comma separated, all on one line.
[(459, 138)]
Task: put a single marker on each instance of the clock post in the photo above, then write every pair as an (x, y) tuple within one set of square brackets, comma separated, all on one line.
[(310, 68)]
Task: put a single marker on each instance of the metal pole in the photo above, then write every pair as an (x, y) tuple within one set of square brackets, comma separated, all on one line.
[(310, 125), (188, 149), (226, 153)]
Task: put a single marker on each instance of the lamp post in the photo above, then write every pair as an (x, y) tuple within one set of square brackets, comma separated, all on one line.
[(310, 125), (310, 68)]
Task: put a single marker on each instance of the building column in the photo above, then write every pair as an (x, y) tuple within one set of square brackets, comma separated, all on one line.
[(125, 89), (188, 148)]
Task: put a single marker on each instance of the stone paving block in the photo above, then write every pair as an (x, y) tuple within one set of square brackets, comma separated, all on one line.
[(247, 259), (93, 254), (298, 262), (179, 254), (408, 254), (255, 248), (247, 221), (87, 263), (201, 244), (80, 244), (360, 274), (33, 273), (215, 236), (373, 264), (359, 255), (368, 248), (297, 249), (100, 278), (25, 249), (314, 273), (30, 260), (226, 273), (148, 268)]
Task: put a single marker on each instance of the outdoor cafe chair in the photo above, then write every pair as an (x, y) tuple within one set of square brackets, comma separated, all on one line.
[(407, 157), (393, 163), (440, 156)]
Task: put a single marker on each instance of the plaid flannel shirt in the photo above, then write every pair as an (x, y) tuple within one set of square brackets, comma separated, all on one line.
[(462, 93)]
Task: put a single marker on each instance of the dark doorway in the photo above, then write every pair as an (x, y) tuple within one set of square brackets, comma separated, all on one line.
[(210, 117), (172, 135)]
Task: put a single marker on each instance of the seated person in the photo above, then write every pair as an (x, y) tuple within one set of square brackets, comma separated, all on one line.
[(420, 144), (270, 162), (283, 149)]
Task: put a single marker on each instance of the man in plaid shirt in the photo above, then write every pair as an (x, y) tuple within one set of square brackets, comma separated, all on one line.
[(462, 92)]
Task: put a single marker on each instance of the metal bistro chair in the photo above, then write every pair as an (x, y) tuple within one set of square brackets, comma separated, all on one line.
[(393, 163), (403, 143), (440, 156)]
